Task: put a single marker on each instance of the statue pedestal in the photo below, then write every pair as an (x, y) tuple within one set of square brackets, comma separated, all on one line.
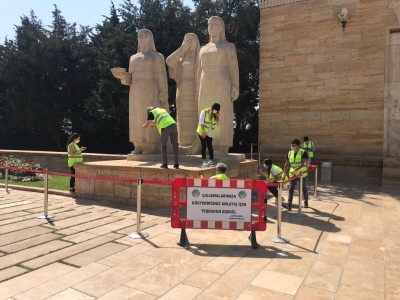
[(147, 167), (190, 160)]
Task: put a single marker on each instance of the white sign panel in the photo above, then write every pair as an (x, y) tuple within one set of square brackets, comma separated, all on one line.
[(218, 204)]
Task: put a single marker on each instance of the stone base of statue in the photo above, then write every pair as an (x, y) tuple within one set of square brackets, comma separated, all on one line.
[(228, 159), (147, 167)]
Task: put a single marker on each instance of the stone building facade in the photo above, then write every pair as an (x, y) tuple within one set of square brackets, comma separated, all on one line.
[(338, 85)]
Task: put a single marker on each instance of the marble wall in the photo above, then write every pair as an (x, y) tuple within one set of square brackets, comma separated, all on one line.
[(339, 86)]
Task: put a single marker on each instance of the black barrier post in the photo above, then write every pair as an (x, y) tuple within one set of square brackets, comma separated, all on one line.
[(253, 240), (138, 234), (279, 238), (184, 239), (46, 197)]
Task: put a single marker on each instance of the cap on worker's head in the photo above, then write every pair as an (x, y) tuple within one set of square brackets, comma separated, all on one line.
[(150, 108), (216, 106), (268, 161), (296, 142), (306, 138)]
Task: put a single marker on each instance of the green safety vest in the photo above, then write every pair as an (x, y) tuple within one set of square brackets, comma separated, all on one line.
[(279, 170), (162, 119), (222, 176), (310, 145), (77, 158), (295, 162), (207, 123)]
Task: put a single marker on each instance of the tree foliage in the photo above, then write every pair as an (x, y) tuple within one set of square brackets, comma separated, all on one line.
[(56, 80)]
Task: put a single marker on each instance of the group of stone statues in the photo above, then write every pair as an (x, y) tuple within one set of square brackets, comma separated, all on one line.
[(203, 75)]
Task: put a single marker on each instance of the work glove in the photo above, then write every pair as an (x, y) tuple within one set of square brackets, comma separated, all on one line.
[(203, 135)]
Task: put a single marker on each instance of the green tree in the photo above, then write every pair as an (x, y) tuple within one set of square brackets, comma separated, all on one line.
[(44, 83), (106, 125)]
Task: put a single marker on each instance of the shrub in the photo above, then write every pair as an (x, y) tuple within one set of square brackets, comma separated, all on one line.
[(20, 163)]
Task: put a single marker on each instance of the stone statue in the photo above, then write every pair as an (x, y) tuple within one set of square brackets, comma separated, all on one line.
[(218, 80), (182, 67), (147, 78)]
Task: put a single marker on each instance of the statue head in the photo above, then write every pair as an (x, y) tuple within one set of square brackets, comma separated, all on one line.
[(216, 27), (145, 40), (195, 48)]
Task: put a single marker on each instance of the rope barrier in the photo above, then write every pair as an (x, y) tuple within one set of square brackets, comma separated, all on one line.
[(73, 175)]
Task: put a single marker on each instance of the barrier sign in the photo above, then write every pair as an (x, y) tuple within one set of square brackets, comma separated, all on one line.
[(218, 204), (232, 204)]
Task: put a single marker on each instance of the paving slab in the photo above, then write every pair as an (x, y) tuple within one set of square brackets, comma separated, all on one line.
[(67, 252), (27, 254), (22, 235), (28, 243), (27, 281), (11, 272), (61, 283), (92, 255)]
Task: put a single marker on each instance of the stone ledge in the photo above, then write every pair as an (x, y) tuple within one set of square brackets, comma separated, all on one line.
[(271, 3), (153, 196), (227, 159)]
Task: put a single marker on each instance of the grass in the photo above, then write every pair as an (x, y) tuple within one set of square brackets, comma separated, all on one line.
[(55, 183)]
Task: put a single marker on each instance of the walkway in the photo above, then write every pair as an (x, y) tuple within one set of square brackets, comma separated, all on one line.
[(344, 247)]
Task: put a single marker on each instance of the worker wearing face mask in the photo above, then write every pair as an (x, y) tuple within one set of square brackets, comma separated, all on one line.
[(74, 156), (310, 148), (208, 121), (296, 163)]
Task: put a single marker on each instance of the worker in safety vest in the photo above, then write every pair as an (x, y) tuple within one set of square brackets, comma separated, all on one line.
[(295, 165), (221, 170), (310, 148), (74, 157), (166, 125), (208, 121), (272, 173)]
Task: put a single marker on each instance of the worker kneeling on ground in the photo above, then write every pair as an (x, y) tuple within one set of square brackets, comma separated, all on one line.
[(221, 170), (272, 173)]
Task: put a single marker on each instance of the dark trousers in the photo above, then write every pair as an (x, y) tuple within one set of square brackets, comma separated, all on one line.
[(304, 188), (170, 132), (273, 190), (72, 179), (206, 143)]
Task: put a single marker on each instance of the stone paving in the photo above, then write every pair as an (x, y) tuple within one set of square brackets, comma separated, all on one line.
[(345, 246)]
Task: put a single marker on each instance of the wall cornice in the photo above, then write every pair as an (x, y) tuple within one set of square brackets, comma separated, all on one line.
[(270, 3)]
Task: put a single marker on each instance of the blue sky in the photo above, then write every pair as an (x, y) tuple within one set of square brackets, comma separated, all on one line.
[(83, 12)]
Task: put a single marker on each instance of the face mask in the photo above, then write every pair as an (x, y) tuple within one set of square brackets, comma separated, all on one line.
[(214, 111), (293, 148)]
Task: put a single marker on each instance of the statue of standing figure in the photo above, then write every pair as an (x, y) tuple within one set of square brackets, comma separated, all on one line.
[(147, 78), (182, 67), (218, 81)]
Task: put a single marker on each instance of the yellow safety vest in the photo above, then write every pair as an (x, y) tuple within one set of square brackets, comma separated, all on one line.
[(77, 158), (310, 145), (296, 161), (207, 123), (162, 119), (222, 176), (279, 170)]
